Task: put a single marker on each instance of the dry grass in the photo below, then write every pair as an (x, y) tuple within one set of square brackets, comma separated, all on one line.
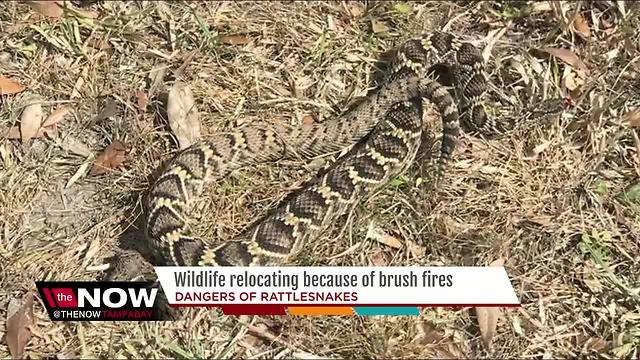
[(550, 202)]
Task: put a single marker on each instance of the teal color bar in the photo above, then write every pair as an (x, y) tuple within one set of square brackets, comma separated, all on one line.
[(387, 310)]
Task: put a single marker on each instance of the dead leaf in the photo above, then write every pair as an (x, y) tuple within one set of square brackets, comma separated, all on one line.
[(538, 149), (378, 27), (19, 322), (567, 56), (378, 259), (14, 133), (142, 99), (112, 157), (75, 146), (355, 10), (581, 27), (382, 237), (308, 119), (498, 262), (30, 120), (573, 79), (8, 87), (633, 118), (595, 344), (47, 8), (56, 116), (487, 322), (237, 39), (184, 119), (75, 92)]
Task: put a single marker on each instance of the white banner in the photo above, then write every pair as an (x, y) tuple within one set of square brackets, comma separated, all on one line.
[(345, 286)]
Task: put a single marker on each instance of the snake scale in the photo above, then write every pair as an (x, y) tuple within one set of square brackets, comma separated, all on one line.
[(378, 140)]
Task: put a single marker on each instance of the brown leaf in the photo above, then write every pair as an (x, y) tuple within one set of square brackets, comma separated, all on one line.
[(633, 117), (30, 120), (567, 56), (308, 119), (47, 8), (8, 87), (19, 322), (582, 27), (56, 116), (184, 119), (378, 259), (112, 157), (141, 97), (237, 39), (487, 322)]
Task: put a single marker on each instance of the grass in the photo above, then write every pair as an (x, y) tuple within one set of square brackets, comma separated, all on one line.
[(558, 203)]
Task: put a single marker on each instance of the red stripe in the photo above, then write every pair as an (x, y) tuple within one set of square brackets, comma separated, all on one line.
[(250, 309), (260, 305), (47, 294)]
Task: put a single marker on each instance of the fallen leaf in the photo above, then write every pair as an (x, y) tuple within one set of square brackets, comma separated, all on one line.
[(540, 6), (308, 119), (567, 56), (75, 146), (487, 323), (378, 259), (355, 10), (378, 26), (234, 39), (75, 92), (19, 322), (47, 8), (574, 79), (8, 86), (382, 237), (112, 157), (56, 116), (633, 118), (184, 119), (582, 27), (30, 120), (595, 344), (538, 149), (142, 100), (14, 133)]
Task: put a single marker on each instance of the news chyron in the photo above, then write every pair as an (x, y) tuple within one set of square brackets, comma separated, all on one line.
[(100, 301)]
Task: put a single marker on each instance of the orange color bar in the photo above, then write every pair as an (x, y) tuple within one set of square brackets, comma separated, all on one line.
[(320, 310)]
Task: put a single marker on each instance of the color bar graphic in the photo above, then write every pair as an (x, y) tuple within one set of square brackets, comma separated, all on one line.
[(248, 309), (387, 310), (321, 310)]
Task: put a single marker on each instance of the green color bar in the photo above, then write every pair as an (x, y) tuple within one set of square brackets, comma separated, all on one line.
[(387, 310)]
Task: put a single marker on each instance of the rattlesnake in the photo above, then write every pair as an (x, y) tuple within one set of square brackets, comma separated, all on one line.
[(378, 140)]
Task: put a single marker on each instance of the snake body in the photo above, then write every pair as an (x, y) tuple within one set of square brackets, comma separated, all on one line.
[(377, 140)]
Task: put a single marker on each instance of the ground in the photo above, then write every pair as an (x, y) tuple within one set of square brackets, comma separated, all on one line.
[(559, 205)]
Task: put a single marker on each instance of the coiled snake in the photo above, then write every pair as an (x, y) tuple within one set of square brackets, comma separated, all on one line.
[(378, 139)]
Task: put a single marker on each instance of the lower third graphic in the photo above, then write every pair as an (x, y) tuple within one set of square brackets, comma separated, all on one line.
[(99, 301)]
